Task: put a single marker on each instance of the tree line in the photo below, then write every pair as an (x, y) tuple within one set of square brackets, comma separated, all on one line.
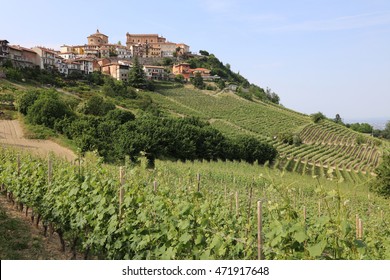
[(96, 125)]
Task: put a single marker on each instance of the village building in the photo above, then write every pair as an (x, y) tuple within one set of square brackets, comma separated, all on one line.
[(97, 39), (4, 50), (182, 69), (47, 57), (99, 55), (23, 57), (155, 72), (87, 65), (187, 72), (116, 70), (168, 49), (147, 45)]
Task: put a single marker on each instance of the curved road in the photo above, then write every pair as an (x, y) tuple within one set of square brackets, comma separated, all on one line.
[(11, 134)]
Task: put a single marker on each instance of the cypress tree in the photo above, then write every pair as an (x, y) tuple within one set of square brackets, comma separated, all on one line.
[(137, 76)]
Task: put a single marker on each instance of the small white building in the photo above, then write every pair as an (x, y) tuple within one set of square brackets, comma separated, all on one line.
[(86, 64), (67, 55)]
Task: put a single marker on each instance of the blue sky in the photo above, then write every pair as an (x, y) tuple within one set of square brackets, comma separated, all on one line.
[(331, 56)]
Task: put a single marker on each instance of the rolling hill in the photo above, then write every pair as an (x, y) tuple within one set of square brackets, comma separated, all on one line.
[(325, 148)]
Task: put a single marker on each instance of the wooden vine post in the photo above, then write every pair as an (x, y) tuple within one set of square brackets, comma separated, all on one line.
[(198, 179), (49, 171), (18, 160), (319, 208), (360, 229), (121, 189), (250, 203), (357, 225), (249, 210), (237, 204), (259, 230), (155, 186)]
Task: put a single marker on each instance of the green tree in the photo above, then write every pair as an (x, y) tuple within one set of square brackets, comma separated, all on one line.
[(272, 96), (137, 77), (197, 81), (381, 184), (362, 127), (120, 116), (46, 110), (96, 78), (338, 119), (167, 61), (26, 100), (179, 78), (386, 131), (317, 117), (221, 84), (96, 106)]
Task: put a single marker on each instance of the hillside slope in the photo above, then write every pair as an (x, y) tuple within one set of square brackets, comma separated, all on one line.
[(326, 148), (323, 149)]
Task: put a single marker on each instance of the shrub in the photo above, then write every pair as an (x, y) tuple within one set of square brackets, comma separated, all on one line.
[(96, 106), (297, 141), (360, 139), (317, 117), (46, 110), (26, 100), (286, 137), (381, 184)]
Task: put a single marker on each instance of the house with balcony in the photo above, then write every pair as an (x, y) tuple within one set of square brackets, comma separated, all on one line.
[(182, 69), (116, 70), (155, 72), (4, 50), (47, 57), (23, 57), (187, 72), (87, 64)]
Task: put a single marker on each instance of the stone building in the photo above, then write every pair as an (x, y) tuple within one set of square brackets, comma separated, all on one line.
[(97, 39)]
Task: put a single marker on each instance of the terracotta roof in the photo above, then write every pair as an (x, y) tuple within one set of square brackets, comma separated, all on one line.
[(21, 48), (143, 35), (85, 59), (151, 66), (47, 49)]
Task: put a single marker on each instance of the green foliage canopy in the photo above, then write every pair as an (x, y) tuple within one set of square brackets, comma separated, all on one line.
[(381, 184), (46, 110)]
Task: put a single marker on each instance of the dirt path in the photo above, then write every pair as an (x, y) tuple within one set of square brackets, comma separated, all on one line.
[(11, 134)]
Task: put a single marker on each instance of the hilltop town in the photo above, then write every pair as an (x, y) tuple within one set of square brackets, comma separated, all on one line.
[(110, 59)]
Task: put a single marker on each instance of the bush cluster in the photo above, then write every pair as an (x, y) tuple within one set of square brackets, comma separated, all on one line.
[(98, 126)]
